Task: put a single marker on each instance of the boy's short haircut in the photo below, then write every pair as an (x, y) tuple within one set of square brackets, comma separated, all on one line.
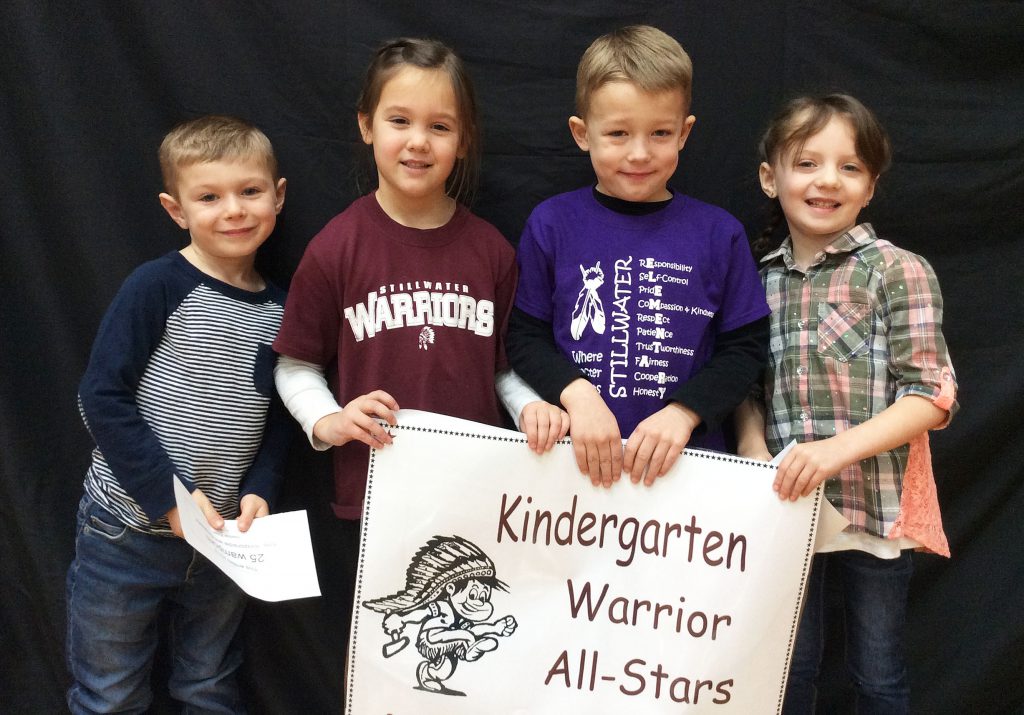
[(641, 54), (212, 138)]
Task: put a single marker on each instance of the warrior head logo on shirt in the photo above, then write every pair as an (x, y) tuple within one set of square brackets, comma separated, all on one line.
[(426, 337), (588, 305), (447, 592)]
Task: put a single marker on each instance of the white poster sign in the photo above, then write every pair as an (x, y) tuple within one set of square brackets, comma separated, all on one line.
[(493, 580)]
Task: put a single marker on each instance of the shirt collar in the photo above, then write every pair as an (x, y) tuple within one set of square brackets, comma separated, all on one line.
[(857, 237)]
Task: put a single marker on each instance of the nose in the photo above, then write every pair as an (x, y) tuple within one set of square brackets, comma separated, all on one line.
[(233, 206), (828, 176), (417, 140), (639, 150)]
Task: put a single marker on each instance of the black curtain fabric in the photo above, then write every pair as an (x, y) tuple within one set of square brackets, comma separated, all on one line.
[(89, 89)]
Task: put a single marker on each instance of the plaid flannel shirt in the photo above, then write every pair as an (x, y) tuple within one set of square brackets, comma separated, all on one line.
[(860, 329)]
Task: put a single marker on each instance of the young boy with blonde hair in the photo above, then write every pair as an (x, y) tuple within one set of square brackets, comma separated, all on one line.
[(179, 384), (639, 309)]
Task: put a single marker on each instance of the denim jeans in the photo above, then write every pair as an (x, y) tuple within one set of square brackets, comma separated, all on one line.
[(119, 585), (875, 605)]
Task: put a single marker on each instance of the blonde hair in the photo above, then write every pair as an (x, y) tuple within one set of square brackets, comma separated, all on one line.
[(641, 54), (212, 138)]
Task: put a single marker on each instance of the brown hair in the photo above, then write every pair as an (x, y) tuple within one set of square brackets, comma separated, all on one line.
[(431, 54), (803, 117), (641, 54), (212, 138)]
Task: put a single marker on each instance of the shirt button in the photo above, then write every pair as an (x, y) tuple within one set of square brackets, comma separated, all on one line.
[(801, 370), (804, 416), (842, 359), (800, 324)]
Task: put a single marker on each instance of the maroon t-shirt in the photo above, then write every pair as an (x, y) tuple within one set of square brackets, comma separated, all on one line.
[(418, 313)]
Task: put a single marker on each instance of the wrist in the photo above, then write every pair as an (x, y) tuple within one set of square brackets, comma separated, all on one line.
[(579, 393), (692, 418)]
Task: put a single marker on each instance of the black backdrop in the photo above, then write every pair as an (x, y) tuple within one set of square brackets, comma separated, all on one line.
[(89, 89)]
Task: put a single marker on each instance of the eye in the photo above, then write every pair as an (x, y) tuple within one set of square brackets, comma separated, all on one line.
[(252, 191), (207, 198), (617, 133), (440, 127), (662, 133), (852, 168), (804, 164), (400, 121)]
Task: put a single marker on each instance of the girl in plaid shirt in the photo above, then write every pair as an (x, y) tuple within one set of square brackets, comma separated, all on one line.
[(858, 373)]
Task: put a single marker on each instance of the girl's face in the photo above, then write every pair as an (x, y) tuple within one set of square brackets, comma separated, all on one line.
[(416, 138), (822, 185)]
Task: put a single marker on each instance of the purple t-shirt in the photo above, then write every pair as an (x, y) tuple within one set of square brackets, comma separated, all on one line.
[(637, 301)]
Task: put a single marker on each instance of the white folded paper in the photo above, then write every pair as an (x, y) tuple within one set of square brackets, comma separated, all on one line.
[(272, 561)]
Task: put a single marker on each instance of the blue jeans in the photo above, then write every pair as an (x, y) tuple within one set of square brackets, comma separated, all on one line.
[(118, 587), (875, 604)]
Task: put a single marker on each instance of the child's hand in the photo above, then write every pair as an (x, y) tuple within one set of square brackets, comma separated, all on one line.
[(544, 424), (212, 517), (596, 440), (806, 466), (355, 421), (252, 507), (657, 442)]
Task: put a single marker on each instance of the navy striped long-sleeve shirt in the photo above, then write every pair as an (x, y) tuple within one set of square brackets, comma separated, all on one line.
[(180, 382)]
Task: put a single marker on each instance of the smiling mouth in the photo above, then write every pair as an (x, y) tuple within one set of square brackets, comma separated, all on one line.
[(239, 231), (412, 164), (823, 203)]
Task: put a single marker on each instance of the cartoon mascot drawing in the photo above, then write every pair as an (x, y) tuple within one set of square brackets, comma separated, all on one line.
[(447, 592)]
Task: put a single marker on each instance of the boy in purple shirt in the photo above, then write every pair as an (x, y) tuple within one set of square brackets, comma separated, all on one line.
[(639, 309)]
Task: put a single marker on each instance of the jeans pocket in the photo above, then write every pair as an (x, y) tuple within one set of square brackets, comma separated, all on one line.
[(104, 526), (843, 330)]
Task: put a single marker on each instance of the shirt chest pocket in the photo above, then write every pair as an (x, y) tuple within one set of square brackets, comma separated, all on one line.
[(844, 330)]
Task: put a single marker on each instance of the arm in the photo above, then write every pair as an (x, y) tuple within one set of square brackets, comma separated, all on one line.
[(130, 332), (263, 480), (750, 441), (596, 441), (810, 463), (534, 356), (543, 423), (304, 391)]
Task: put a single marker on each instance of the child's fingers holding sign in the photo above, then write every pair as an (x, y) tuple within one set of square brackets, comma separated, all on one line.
[(596, 439), (657, 442), (356, 421), (805, 467), (544, 424)]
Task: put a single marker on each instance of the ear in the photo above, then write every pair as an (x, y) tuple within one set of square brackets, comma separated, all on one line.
[(282, 184), (767, 176), (687, 128), (871, 190), (173, 209), (578, 127), (365, 127)]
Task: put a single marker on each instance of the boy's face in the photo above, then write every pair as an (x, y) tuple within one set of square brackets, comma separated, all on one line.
[(634, 138), (472, 601), (229, 207)]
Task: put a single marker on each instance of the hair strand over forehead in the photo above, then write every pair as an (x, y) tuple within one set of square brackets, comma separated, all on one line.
[(212, 138), (803, 117), (641, 54)]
